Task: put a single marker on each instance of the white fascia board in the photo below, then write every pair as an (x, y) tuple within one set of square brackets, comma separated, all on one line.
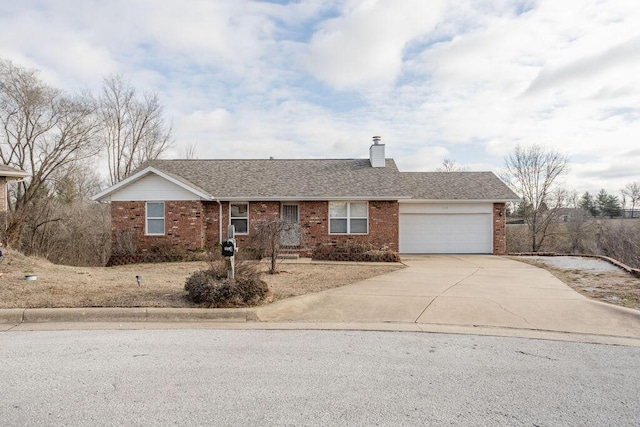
[(306, 199), (458, 200), (135, 177), (14, 175)]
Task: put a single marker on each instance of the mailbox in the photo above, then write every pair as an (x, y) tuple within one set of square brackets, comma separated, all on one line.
[(228, 248)]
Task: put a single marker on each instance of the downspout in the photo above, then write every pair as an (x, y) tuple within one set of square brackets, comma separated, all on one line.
[(219, 221)]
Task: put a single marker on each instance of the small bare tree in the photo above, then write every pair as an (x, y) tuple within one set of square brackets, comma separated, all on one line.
[(578, 225), (533, 173), (632, 192), (133, 128), (269, 236)]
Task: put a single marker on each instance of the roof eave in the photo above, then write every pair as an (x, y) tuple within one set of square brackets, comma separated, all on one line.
[(307, 198), (496, 200), (14, 175)]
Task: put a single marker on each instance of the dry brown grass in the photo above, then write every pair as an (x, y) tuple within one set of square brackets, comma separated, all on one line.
[(162, 284), (614, 287)]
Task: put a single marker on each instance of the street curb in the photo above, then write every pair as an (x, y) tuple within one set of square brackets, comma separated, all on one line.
[(119, 314), (11, 315)]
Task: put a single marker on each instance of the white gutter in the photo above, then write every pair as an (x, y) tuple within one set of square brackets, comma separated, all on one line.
[(311, 198), (219, 221), (458, 201)]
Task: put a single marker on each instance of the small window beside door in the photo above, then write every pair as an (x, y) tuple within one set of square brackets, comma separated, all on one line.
[(239, 217)]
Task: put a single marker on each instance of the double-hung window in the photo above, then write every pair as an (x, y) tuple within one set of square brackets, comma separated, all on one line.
[(348, 218), (155, 218), (239, 217)]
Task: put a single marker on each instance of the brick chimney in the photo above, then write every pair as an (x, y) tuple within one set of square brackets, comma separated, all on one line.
[(376, 153)]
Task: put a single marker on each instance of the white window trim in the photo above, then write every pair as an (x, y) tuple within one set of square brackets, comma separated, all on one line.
[(239, 217), (147, 218), (348, 218)]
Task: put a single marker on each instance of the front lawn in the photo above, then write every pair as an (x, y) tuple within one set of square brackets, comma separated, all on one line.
[(162, 285)]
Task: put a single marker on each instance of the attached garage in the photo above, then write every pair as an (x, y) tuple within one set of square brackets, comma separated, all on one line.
[(432, 228)]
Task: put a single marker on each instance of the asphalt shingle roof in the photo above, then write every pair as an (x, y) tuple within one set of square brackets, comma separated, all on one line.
[(254, 179), (329, 178), (457, 186)]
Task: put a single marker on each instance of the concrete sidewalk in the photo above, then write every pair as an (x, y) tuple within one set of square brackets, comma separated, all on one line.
[(459, 290)]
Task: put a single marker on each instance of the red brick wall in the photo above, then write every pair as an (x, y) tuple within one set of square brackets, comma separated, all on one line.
[(257, 211), (383, 225), (184, 225), (211, 223), (499, 229), (192, 225)]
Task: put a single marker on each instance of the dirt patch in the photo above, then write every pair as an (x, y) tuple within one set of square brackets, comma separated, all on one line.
[(598, 279), (162, 285)]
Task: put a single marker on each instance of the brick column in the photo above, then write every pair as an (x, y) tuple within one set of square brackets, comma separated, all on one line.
[(499, 229)]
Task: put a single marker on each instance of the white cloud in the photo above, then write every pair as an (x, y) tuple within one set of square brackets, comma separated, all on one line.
[(364, 46), (317, 78)]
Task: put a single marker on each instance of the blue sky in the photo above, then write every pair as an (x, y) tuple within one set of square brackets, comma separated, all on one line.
[(467, 80)]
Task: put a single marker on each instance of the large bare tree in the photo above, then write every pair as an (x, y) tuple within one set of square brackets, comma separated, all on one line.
[(133, 127), (45, 133), (533, 173)]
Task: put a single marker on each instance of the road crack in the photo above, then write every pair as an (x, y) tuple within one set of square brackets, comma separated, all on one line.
[(536, 355)]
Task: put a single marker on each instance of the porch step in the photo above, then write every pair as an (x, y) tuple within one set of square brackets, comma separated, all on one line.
[(288, 256)]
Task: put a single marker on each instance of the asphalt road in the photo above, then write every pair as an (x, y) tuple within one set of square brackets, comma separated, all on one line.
[(239, 377)]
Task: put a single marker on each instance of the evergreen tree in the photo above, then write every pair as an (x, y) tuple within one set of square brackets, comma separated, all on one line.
[(588, 204), (608, 204)]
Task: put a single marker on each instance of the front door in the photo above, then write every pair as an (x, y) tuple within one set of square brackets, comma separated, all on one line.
[(290, 215)]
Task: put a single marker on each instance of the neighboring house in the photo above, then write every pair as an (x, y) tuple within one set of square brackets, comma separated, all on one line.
[(571, 214), (631, 213), (7, 174), (188, 204)]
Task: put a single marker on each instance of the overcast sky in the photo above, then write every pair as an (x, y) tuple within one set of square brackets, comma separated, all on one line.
[(467, 80)]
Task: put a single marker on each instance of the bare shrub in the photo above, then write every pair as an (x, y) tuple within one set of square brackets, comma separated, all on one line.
[(518, 238), (354, 252), (212, 288), (72, 233), (620, 242), (125, 243)]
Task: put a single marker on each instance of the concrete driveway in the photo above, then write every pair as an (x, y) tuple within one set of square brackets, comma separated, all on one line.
[(462, 290)]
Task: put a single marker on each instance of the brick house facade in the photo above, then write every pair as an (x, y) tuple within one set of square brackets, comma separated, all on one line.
[(190, 204), (194, 225)]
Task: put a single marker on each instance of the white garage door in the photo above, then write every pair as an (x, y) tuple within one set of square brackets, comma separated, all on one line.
[(440, 228)]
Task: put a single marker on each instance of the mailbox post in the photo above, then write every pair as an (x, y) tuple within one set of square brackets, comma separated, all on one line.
[(228, 251)]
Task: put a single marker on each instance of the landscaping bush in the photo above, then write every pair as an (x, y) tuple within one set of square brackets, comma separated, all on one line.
[(212, 288), (354, 252)]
